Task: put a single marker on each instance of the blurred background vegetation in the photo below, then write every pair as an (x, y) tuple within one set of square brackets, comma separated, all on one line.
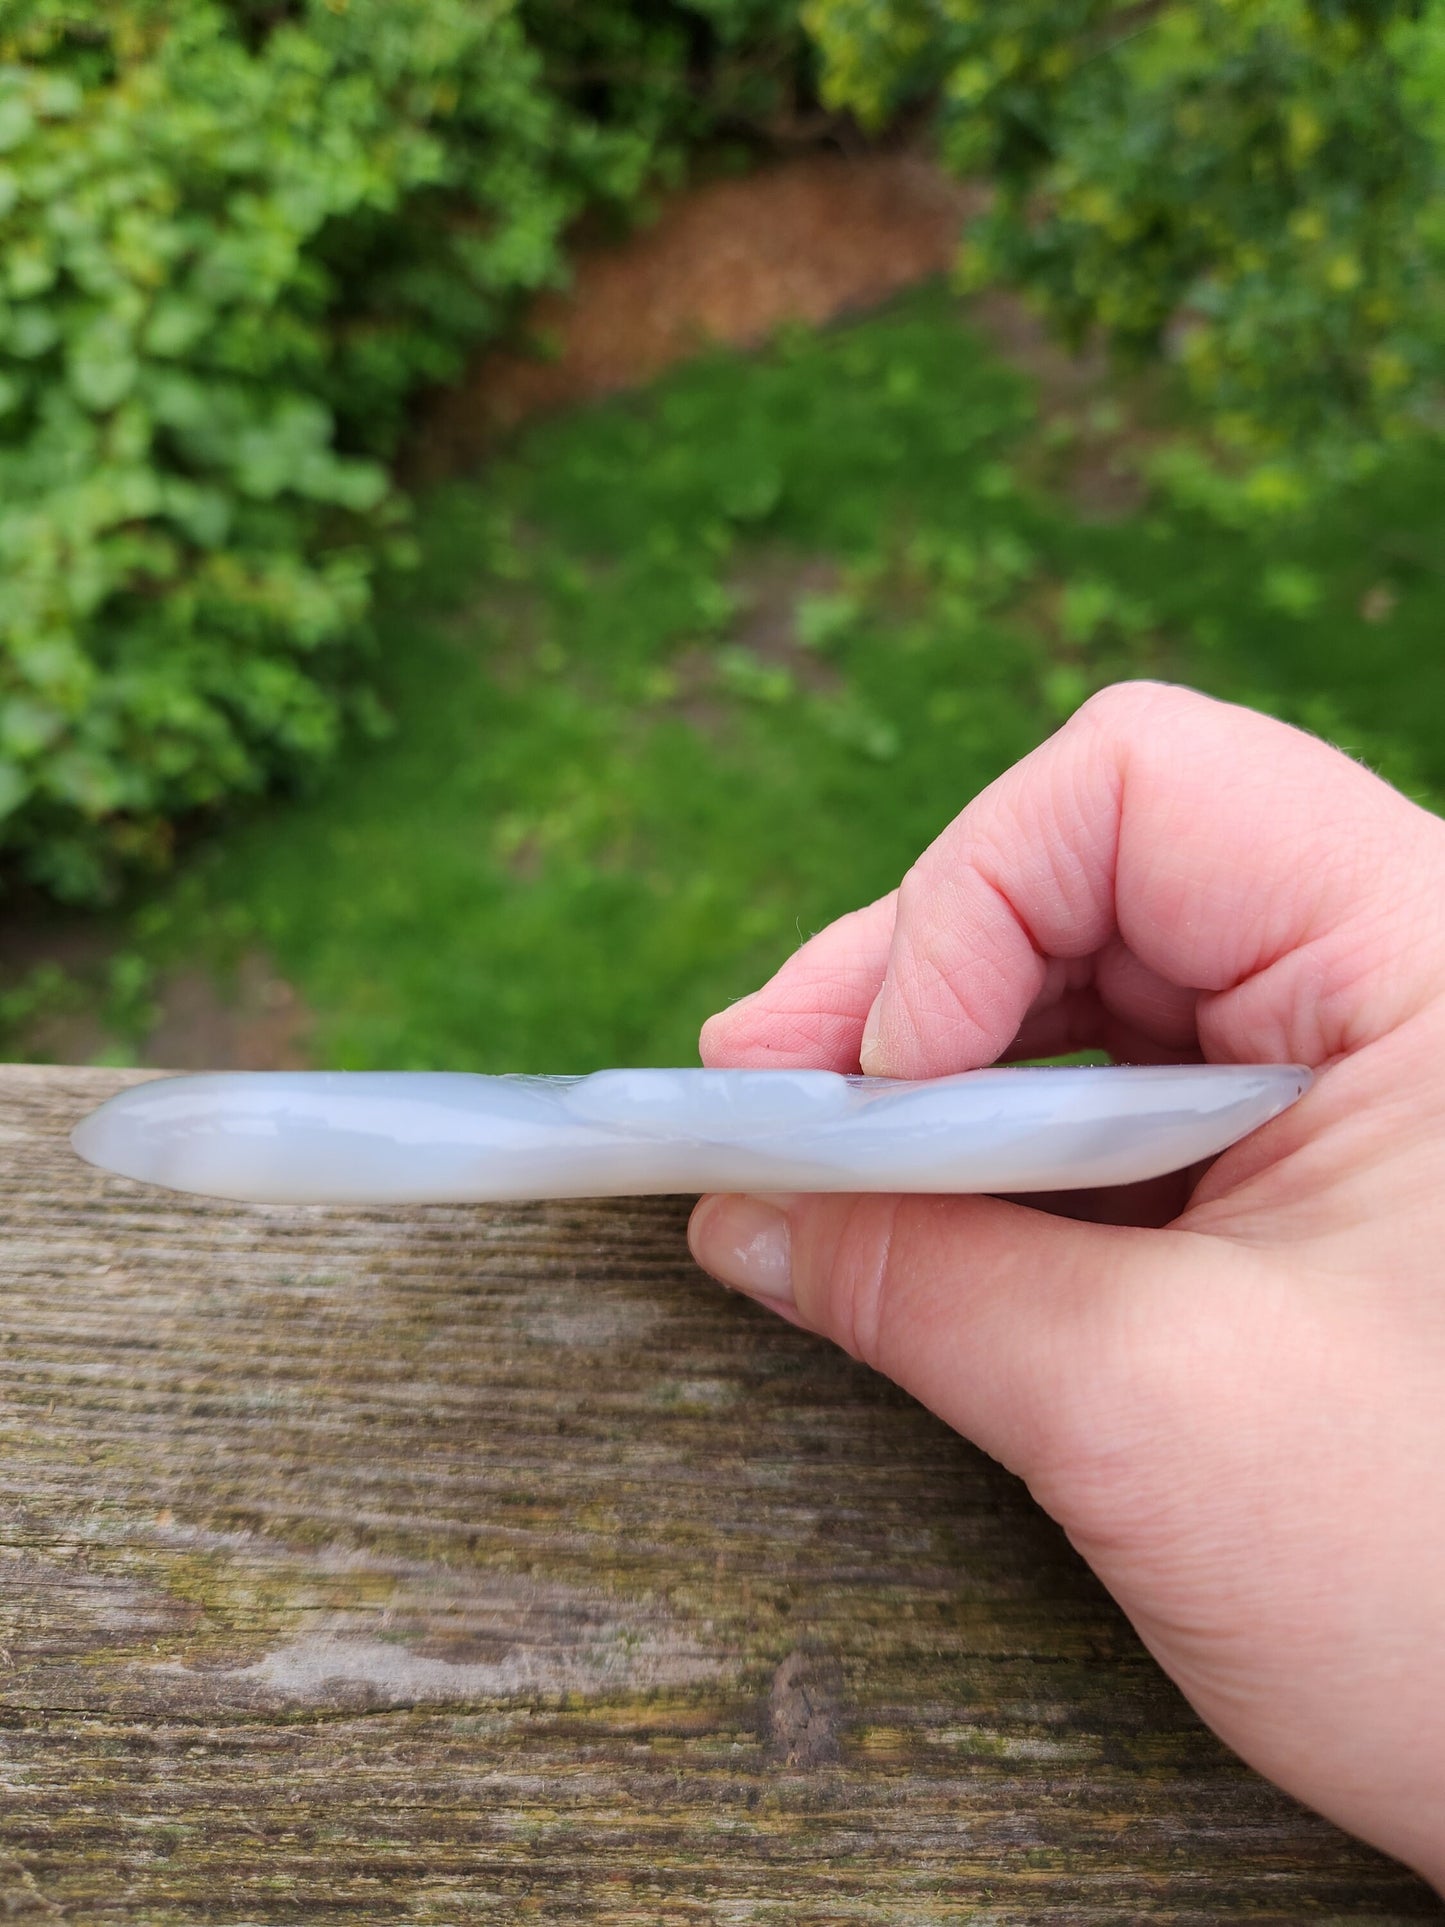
[(533, 766)]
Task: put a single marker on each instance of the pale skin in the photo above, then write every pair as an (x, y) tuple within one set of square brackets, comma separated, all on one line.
[(1228, 1389)]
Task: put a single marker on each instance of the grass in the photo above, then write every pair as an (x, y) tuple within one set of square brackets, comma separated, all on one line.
[(691, 673)]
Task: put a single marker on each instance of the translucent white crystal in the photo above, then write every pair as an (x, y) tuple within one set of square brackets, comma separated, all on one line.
[(362, 1137)]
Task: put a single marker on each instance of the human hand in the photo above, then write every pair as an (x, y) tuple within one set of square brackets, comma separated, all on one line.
[(1233, 1398)]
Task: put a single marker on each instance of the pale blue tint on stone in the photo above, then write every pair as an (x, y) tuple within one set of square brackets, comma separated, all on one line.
[(363, 1137)]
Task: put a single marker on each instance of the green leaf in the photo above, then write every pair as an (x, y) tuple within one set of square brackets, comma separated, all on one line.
[(14, 789), (1291, 590), (92, 784), (823, 620), (101, 366), (100, 384), (32, 332), (16, 122), (176, 325), (27, 728)]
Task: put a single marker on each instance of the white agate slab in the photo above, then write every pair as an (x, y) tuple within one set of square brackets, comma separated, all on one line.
[(421, 1137)]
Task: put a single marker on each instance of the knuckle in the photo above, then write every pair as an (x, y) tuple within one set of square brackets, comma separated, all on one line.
[(1119, 708), (924, 965), (915, 895)]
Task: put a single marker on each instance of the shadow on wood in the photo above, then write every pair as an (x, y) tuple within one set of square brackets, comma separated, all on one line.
[(460, 1565)]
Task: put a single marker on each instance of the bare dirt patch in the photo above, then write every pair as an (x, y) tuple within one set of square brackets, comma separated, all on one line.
[(725, 263), (768, 587), (258, 1022), (247, 1019), (1098, 467), (728, 263)]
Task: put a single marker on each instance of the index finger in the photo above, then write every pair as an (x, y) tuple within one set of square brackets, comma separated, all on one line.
[(1164, 855)]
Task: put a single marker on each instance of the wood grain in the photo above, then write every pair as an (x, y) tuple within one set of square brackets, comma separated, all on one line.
[(460, 1565)]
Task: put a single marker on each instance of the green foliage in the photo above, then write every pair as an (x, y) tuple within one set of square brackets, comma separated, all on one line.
[(234, 239), (662, 70), (646, 744), (1254, 186)]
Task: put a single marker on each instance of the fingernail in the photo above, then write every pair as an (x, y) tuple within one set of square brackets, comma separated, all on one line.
[(868, 1049), (744, 1242)]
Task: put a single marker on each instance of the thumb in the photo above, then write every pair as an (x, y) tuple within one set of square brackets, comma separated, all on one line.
[(1038, 1337)]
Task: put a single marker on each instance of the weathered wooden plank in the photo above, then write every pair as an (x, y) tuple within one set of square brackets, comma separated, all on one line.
[(489, 1565)]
